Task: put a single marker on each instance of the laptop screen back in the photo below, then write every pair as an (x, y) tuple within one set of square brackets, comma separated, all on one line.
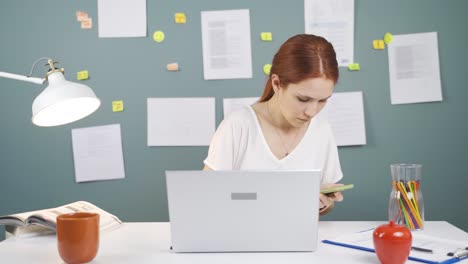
[(240, 211)]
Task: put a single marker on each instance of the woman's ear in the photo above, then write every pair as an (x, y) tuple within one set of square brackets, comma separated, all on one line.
[(275, 82)]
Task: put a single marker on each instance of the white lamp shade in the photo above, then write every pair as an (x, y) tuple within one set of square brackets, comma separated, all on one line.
[(63, 102)]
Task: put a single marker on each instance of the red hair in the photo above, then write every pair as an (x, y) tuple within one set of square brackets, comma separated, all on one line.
[(302, 57)]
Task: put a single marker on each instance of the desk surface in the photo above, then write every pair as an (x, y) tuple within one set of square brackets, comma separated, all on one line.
[(149, 243)]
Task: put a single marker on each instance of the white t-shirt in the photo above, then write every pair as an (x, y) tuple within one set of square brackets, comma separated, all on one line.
[(239, 144)]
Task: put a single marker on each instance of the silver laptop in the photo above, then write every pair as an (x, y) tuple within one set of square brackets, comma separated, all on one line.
[(242, 211)]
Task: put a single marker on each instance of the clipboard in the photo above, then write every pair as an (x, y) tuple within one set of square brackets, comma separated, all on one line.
[(363, 241)]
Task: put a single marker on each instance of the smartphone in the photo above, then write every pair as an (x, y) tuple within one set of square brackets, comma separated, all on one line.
[(336, 189)]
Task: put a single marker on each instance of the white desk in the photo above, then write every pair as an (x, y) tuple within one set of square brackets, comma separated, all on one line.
[(150, 242)]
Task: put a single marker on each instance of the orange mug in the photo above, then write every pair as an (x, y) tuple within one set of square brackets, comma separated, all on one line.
[(78, 237)]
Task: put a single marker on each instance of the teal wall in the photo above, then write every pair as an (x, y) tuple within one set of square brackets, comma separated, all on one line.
[(36, 164)]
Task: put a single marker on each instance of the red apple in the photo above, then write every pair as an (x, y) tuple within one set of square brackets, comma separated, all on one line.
[(392, 243)]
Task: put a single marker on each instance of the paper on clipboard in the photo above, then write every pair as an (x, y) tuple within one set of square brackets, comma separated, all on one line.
[(440, 246)]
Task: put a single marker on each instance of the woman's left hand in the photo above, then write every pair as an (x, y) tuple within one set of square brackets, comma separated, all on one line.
[(327, 201), (336, 196)]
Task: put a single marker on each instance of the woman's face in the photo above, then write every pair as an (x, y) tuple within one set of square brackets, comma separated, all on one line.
[(300, 102)]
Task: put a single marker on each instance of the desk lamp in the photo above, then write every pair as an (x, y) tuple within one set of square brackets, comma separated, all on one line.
[(61, 102)]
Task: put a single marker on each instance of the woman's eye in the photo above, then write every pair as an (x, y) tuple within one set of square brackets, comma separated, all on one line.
[(303, 99), (323, 101)]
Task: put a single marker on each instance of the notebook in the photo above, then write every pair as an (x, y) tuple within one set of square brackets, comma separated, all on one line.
[(243, 211)]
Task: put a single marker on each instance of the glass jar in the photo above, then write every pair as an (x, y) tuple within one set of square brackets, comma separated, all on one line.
[(406, 204)]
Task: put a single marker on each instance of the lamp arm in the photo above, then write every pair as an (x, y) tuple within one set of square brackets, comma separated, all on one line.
[(34, 64), (28, 78), (22, 77)]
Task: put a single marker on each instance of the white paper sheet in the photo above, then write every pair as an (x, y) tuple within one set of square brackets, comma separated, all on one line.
[(226, 44), (121, 18), (333, 20), (345, 112), (440, 246), (233, 104), (413, 62), (97, 153), (181, 121)]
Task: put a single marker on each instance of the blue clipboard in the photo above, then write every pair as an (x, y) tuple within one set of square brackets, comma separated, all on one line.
[(448, 261)]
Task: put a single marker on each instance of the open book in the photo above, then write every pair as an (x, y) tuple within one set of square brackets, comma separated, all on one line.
[(43, 222)]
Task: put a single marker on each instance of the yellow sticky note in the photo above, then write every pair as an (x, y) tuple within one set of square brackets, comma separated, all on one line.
[(82, 75), (378, 44), (180, 18), (266, 36), (158, 36), (354, 67), (388, 38), (117, 106), (267, 69)]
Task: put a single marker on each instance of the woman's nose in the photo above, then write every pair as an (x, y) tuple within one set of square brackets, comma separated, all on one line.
[(312, 109)]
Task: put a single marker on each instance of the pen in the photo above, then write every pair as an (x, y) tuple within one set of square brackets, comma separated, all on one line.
[(459, 253), (425, 250)]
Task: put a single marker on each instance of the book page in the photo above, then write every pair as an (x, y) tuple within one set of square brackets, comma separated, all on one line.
[(106, 221), (47, 217), (27, 231), (16, 219)]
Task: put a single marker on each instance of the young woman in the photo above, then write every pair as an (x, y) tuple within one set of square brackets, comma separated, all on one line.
[(283, 131)]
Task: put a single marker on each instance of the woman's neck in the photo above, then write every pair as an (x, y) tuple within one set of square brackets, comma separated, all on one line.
[(276, 117)]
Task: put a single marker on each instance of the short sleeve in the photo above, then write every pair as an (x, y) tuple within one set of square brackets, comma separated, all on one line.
[(221, 150), (332, 169)]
